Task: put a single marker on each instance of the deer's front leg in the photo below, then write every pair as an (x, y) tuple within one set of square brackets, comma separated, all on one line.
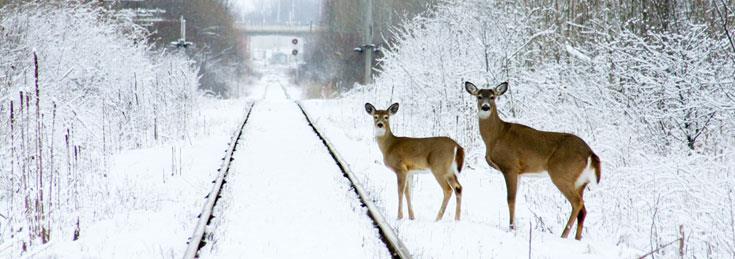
[(511, 186), (409, 182), (401, 189)]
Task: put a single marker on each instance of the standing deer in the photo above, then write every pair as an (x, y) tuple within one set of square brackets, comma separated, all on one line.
[(516, 149), (442, 155)]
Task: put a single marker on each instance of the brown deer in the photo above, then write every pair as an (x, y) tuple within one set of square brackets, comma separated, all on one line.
[(515, 149), (442, 155)]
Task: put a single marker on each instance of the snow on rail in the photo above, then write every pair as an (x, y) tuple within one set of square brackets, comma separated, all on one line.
[(196, 240), (388, 234)]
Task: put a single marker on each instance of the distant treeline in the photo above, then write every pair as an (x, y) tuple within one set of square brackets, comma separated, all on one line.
[(332, 61), (219, 49)]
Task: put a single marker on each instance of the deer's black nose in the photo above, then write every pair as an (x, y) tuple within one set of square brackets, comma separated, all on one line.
[(380, 124), (485, 108)]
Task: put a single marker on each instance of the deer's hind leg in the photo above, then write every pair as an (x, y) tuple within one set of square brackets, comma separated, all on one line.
[(446, 189), (582, 214), (575, 199), (454, 182), (577, 206), (564, 170)]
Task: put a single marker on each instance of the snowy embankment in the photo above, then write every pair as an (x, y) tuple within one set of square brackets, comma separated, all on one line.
[(285, 197), (107, 147), (483, 231), (657, 108), (154, 194)]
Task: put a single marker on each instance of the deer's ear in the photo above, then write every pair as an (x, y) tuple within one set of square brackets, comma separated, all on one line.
[(393, 109), (369, 108), (471, 88), (501, 88)]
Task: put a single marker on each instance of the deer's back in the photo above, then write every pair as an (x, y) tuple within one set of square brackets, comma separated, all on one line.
[(421, 153), (529, 150)]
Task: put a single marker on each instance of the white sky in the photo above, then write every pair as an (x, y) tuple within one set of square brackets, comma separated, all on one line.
[(244, 6)]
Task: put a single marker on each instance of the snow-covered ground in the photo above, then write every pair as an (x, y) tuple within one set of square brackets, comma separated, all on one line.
[(285, 197), (154, 194), (483, 230)]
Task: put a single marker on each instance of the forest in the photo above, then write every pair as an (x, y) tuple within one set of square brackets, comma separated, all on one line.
[(648, 83), (81, 81)]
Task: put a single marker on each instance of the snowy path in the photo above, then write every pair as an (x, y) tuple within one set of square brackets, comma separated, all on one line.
[(285, 197)]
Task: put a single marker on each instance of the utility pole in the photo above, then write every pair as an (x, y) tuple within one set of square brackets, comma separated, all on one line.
[(183, 28), (367, 46), (367, 41), (182, 43)]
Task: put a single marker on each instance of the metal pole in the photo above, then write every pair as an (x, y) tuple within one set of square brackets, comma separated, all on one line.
[(368, 41), (183, 28)]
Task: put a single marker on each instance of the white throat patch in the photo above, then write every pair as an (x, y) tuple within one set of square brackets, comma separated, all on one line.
[(483, 114), (379, 132)]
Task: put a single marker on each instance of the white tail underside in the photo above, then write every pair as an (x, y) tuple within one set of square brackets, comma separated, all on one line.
[(587, 176), (454, 161)]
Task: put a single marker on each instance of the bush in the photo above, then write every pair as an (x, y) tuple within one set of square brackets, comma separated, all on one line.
[(657, 106), (77, 84)]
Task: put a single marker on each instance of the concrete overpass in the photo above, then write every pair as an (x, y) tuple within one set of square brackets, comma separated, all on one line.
[(284, 30)]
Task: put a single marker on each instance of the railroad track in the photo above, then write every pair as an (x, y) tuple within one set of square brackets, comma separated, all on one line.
[(196, 241), (387, 233)]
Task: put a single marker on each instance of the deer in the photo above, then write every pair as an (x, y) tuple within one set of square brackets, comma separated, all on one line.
[(516, 149), (406, 156)]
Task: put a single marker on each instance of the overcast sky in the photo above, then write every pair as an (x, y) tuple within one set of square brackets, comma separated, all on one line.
[(245, 6), (279, 11)]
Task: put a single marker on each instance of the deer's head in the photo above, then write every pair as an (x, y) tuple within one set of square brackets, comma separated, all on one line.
[(381, 118), (485, 97)]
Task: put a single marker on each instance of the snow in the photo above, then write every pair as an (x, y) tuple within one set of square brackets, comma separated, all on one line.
[(285, 197), (99, 93), (483, 231), (153, 196), (657, 109), (576, 53)]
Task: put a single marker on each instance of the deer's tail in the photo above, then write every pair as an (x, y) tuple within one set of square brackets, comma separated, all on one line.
[(596, 165), (459, 158)]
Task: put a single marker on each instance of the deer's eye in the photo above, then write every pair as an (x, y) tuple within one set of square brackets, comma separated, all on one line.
[(385, 117), (479, 97)]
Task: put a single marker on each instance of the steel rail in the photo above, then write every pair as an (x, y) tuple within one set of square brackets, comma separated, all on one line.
[(387, 233), (196, 241)]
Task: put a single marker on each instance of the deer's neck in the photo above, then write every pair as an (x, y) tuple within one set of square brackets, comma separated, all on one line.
[(491, 127), (385, 138)]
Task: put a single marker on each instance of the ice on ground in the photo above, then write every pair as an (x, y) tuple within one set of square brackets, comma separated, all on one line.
[(285, 197)]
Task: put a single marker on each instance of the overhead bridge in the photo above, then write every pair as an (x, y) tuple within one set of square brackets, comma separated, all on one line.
[(286, 30)]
